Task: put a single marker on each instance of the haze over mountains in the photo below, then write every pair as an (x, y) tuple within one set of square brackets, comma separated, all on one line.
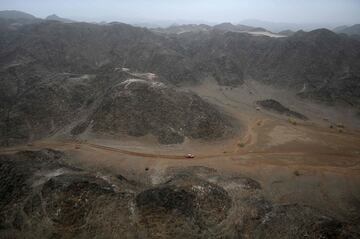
[(246, 24)]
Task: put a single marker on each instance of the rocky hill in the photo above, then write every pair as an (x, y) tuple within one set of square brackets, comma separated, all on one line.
[(15, 19), (109, 103), (43, 196), (138, 107)]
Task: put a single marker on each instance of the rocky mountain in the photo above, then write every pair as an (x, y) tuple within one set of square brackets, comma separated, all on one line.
[(15, 19), (90, 115), (318, 64), (352, 30), (26, 18), (287, 33), (11, 14), (179, 29), (281, 26), (50, 70), (70, 104), (224, 27), (237, 28), (339, 28), (138, 107), (84, 48), (57, 18)]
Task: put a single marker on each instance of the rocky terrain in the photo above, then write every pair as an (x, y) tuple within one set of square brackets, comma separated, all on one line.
[(110, 130), (138, 107), (42, 196), (135, 107), (84, 57)]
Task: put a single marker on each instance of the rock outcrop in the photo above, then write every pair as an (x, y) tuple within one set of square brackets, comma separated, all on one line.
[(277, 107), (139, 107)]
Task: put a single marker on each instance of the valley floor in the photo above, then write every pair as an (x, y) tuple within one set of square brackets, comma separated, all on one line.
[(305, 162)]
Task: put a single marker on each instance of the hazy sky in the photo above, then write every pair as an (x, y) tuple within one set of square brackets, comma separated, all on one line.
[(294, 11)]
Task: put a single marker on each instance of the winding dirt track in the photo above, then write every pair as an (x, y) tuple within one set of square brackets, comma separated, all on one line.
[(112, 149), (168, 156), (246, 141), (242, 147)]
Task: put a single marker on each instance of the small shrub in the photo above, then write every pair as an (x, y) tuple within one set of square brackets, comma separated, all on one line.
[(340, 125), (241, 145), (292, 121)]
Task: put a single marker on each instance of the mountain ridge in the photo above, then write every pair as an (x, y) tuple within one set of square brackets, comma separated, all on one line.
[(55, 17), (319, 65)]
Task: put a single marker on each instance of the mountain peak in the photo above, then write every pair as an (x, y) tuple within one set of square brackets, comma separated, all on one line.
[(55, 17), (52, 16), (13, 14)]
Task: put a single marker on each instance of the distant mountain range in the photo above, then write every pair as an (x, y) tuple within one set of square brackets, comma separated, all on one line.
[(352, 30), (225, 27), (18, 18), (11, 14), (249, 25), (281, 26), (25, 18), (287, 33)]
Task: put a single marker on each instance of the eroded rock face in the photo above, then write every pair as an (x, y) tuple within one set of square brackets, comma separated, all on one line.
[(139, 107)]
